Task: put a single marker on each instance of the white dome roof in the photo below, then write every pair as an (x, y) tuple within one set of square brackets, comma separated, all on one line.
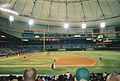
[(72, 11)]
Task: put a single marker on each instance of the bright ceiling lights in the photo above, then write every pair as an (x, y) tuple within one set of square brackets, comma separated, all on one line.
[(102, 25), (11, 18), (9, 11), (66, 25), (31, 22), (84, 26)]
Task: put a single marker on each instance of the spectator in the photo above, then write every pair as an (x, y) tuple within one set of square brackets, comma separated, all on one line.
[(71, 78), (68, 75), (113, 77), (82, 74), (40, 78), (30, 74), (104, 74), (61, 78), (20, 78)]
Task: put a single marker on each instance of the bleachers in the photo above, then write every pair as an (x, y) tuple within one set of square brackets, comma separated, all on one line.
[(21, 49), (18, 49)]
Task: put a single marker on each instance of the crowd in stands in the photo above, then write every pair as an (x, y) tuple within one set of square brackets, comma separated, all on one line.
[(82, 74), (18, 49), (21, 49)]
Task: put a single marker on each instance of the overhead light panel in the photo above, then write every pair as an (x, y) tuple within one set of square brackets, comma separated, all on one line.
[(11, 18), (84, 26), (8, 10), (66, 25), (102, 25), (31, 22)]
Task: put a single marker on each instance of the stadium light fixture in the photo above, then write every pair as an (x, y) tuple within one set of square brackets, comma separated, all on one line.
[(102, 24), (8, 10), (66, 26), (31, 22), (84, 26), (11, 18)]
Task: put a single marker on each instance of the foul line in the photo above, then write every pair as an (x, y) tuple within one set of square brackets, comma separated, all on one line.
[(7, 58)]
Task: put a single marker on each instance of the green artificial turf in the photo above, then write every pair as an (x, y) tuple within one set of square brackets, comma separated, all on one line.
[(110, 62)]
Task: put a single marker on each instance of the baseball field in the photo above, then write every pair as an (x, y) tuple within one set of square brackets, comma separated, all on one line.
[(66, 61)]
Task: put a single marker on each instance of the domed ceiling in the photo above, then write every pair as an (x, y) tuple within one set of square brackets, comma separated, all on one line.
[(72, 11)]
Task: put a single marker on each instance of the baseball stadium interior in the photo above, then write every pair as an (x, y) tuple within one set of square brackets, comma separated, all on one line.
[(38, 33)]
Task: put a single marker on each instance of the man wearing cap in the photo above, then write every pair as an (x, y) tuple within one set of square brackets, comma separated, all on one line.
[(82, 74)]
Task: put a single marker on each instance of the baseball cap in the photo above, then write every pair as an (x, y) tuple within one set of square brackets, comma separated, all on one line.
[(82, 73)]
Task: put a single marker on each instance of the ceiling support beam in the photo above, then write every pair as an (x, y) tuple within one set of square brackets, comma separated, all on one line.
[(50, 8), (66, 10), (42, 8), (14, 4), (10, 1), (101, 9), (109, 7), (91, 10), (24, 7), (74, 10), (32, 12), (49, 15), (78, 1), (118, 16), (84, 18), (58, 8)]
